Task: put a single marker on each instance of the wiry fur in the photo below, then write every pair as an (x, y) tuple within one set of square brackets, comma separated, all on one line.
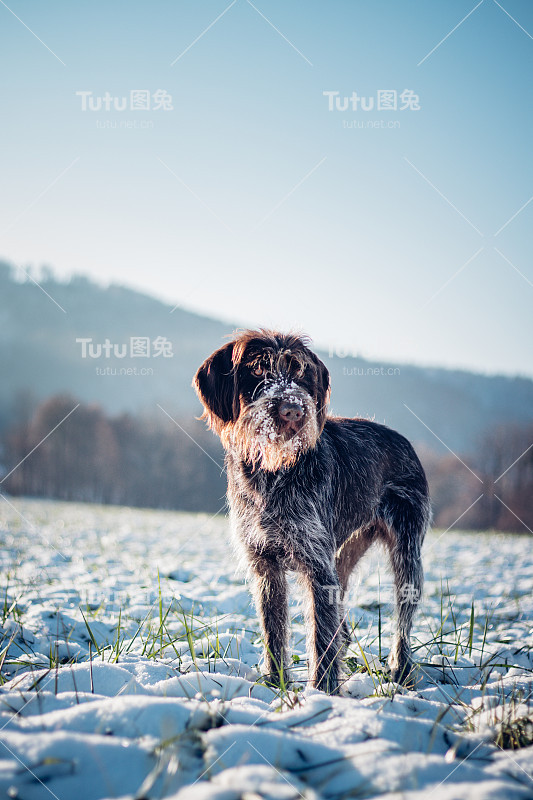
[(256, 437), (311, 495)]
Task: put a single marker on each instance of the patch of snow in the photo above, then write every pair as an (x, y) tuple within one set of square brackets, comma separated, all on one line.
[(171, 704)]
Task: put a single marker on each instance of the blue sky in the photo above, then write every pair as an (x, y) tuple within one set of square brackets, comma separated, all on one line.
[(250, 200)]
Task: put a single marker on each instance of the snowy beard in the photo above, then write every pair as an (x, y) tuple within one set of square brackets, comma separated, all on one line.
[(263, 439)]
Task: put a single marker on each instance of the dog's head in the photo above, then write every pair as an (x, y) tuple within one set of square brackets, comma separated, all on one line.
[(265, 394)]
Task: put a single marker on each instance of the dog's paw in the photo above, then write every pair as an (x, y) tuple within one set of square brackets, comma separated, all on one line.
[(276, 679), (405, 673)]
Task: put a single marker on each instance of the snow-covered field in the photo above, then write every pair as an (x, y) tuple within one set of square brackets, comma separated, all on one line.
[(170, 704)]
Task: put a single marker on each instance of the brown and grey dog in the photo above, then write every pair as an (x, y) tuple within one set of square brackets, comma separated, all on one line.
[(311, 493)]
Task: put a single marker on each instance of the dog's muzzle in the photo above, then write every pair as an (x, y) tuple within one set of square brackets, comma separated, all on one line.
[(276, 428)]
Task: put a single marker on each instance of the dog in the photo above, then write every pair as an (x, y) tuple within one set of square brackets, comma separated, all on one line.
[(310, 493)]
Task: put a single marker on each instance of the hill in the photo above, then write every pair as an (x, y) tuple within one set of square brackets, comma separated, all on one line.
[(41, 355)]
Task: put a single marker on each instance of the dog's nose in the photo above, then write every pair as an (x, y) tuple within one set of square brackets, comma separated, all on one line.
[(290, 412)]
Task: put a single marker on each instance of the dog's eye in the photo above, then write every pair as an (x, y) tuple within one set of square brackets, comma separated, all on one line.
[(258, 370)]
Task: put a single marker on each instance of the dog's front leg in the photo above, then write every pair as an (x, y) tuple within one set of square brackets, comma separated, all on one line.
[(324, 634), (271, 601)]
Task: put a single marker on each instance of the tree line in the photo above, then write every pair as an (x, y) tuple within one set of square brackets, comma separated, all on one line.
[(67, 450), (490, 488), (145, 461)]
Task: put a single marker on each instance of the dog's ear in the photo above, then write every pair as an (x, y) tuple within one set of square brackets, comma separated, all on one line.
[(322, 389), (215, 385)]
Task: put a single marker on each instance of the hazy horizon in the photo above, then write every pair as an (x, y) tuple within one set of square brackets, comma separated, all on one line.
[(236, 324)]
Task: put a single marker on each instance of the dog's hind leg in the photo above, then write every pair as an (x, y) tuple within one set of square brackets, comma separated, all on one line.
[(405, 536), (346, 559)]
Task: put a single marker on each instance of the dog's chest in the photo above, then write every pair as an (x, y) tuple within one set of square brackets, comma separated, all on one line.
[(274, 515), (270, 495)]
